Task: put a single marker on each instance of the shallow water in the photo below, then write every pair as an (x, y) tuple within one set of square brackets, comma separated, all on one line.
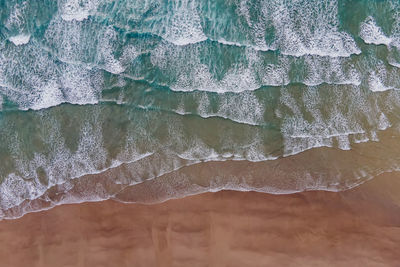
[(141, 89)]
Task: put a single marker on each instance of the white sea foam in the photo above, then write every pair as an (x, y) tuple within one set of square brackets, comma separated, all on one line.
[(300, 28), (197, 150), (225, 42), (383, 122), (77, 9), (20, 39), (78, 16), (80, 85), (48, 95), (59, 166), (105, 56), (272, 74), (374, 136), (315, 32), (330, 70), (309, 27), (372, 33), (71, 42), (182, 24), (243, 107), (254, 71), (394, 63), (238, 44), (301, 134), (343, 142), (361, 138), (33, 80), (237, 80), (375, 80), (395, 32), (27, 72), (251, 74)]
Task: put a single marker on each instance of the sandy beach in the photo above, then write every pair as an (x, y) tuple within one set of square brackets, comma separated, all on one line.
[(358, 227)]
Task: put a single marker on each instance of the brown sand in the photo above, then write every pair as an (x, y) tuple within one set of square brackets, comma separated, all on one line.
[(359, 227)]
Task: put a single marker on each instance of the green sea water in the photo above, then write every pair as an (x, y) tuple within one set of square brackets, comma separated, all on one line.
[(94, 86)]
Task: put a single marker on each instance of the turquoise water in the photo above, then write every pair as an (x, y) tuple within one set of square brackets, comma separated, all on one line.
[(88, 86)]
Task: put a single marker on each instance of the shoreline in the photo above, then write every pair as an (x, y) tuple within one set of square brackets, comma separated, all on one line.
[(359, 227), (143, 181)]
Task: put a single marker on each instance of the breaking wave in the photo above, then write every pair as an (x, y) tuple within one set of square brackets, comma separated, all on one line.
[(142, 101)]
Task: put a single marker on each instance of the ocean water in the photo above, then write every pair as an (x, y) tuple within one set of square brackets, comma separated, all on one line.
[(99, 98)]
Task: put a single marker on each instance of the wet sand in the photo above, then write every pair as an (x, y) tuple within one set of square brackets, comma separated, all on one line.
[(358, 227)]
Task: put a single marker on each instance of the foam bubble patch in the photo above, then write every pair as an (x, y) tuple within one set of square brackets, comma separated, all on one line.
[(372, 33), (20, 39)]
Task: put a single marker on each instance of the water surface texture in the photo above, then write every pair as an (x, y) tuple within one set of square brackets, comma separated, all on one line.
[(97, 96)]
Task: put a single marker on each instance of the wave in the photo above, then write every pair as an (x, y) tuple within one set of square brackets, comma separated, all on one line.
[(290, 114), (59, 163), (185, 22), (129, 99), (185, 180), (372, 34), (81, 83)]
